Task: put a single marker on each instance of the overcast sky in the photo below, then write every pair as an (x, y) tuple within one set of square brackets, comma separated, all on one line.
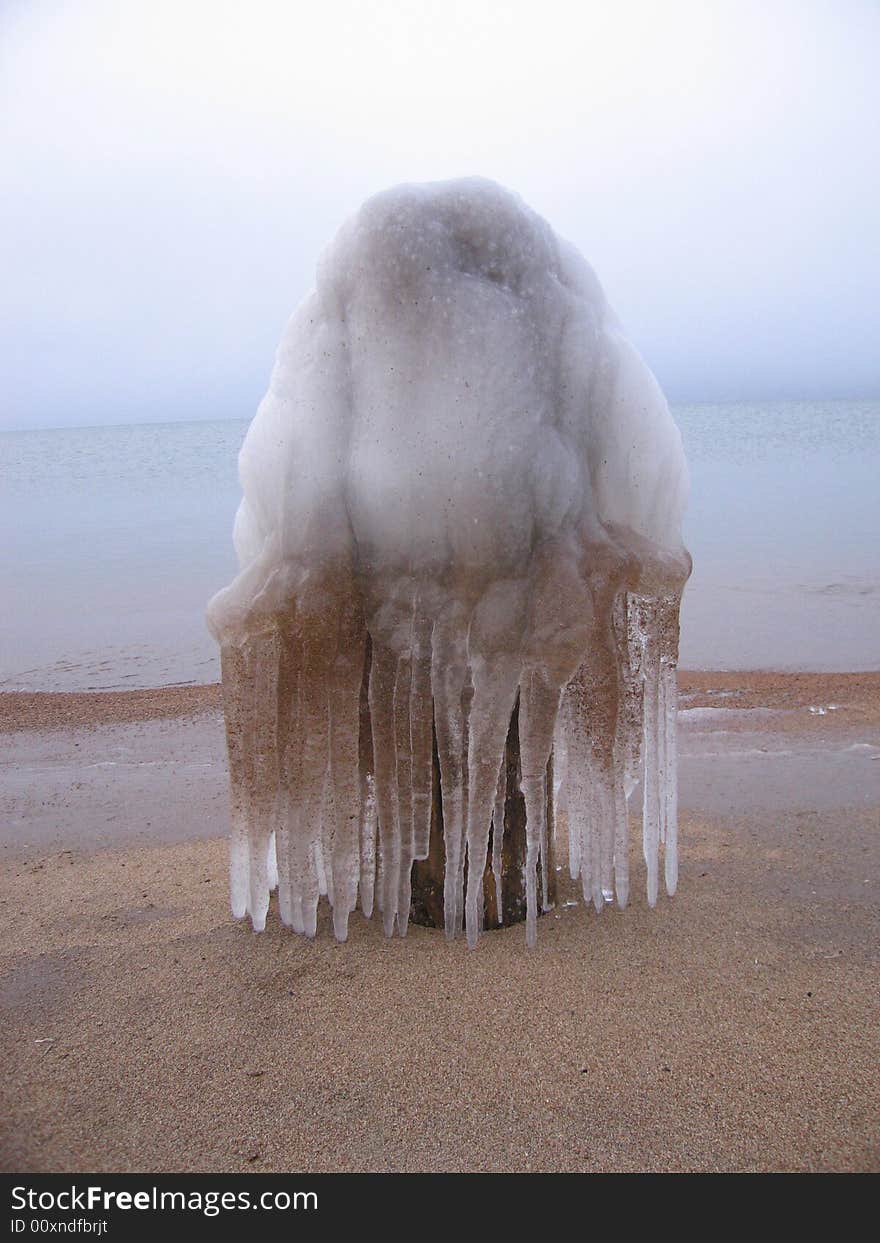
[(171, 170)]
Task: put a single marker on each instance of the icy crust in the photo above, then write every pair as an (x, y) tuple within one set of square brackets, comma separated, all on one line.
[(463, 488)]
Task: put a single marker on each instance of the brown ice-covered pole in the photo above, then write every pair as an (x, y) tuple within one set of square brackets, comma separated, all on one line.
[(428, 874), (462, 468), (504, 885)]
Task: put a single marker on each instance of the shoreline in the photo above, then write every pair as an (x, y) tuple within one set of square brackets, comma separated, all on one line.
[(742, 689)]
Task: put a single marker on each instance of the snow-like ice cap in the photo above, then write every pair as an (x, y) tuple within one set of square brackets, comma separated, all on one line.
[(455, 392), (461, 456)]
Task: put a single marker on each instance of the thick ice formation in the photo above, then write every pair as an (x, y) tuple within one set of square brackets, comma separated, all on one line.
[(463, 486)]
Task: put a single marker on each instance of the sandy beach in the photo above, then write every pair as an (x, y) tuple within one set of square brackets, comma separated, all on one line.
[(734, 1027)]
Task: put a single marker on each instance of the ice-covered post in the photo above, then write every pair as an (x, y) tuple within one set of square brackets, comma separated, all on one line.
[(504, 886), (462, 508)]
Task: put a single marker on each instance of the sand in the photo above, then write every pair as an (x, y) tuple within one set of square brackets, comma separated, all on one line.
[(735, 1027)]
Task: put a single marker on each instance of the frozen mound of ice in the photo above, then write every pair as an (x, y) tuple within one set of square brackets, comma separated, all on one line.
[(463, 486)]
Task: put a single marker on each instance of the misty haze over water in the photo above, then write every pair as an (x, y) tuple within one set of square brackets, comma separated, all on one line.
[(117, 536)]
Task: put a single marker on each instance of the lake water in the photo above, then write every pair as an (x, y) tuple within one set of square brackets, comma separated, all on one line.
[(114, 538)]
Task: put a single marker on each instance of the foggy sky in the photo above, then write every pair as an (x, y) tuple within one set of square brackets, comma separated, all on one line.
[(171, 171)]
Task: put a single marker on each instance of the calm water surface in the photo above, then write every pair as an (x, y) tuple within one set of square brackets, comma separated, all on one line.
[(115, 538)]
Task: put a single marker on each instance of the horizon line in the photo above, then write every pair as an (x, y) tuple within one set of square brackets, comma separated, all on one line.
[(245, 418)]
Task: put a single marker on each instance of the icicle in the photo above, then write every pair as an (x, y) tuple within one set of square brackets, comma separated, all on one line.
[(596, 835), (626, 749), (448, 679), (282, 859), (498, 834), (607, 804), (489, 719), (621, 835), (318, 852), (630, 720), (592, 721), (345, 692), (651, 794), (262, 660), (368, 826), (539, 705), (403, 747), (383, 680), (544, 852), (669, 724), (233, 666), (421, 730), (290, 775), (467, 700), (315, 680), (379, 897), (369, 817), (670, 800), (321, 842), (577, 781), (272, 864), (661, 752), (562, 795)]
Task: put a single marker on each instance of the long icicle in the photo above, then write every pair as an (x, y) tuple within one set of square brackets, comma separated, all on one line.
[(369, 817), (421, 732), (669, 659), (344, 770), (264, 773), (651, 795), (403, 746), (448, 677), (498, 815), (494, 695), (236, 693), (383, 676), (538, 709)]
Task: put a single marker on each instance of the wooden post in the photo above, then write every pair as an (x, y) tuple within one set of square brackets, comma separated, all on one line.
[(428, 874)]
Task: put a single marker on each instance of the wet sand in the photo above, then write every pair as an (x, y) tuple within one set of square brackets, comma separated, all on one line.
[(735, 1027)]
